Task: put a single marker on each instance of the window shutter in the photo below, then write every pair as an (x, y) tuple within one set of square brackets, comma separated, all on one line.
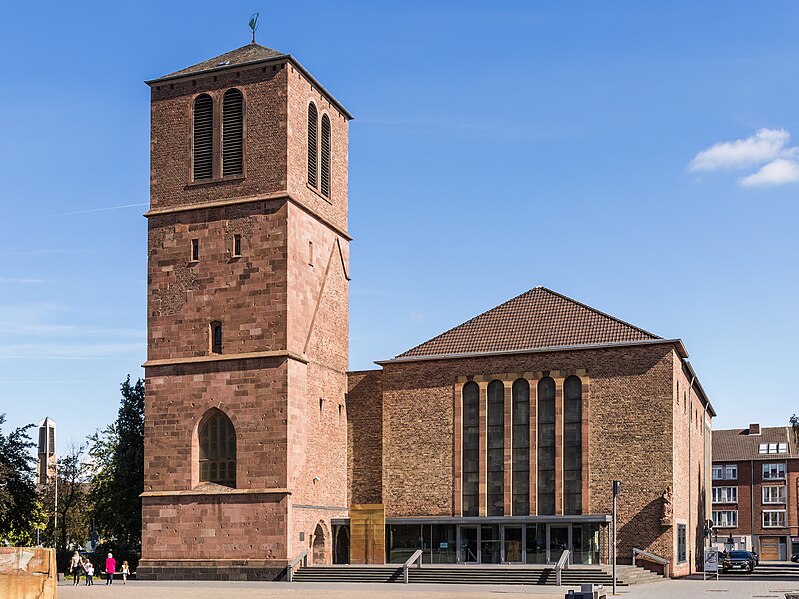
[(203, 142), (325, 187), (313, 124), (232, 133)]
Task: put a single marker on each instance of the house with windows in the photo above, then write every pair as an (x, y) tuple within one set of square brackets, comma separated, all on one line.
[(755, 483), (496, 442)]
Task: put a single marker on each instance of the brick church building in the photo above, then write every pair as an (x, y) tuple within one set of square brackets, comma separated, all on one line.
[(495, 442)]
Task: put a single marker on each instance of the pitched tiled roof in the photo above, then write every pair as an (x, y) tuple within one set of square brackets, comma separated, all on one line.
[(538, 318), (244, 55), (737, 444)]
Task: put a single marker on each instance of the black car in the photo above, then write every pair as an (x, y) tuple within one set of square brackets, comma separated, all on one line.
[(738, 560), (795, 557)]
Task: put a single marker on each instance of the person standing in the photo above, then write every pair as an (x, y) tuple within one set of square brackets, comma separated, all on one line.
[(75, 568), (110, 568), (125, 572), (89, 567)]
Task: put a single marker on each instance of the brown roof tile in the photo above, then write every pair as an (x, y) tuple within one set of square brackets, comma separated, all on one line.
[(244, 55), (731, 445), (538, 318)]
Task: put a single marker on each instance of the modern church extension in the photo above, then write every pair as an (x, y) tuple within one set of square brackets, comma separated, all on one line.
[(494, 443)]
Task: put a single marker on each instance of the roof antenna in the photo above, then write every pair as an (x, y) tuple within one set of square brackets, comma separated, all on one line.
[(254, 24)]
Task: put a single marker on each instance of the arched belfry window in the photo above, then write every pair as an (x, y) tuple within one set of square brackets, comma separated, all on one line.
[(313, 147), (573, 446), (217, 449), (232, 133), (203, 138), (325, 186), (470, 467), (496, 449), (521, 447), (546, 447)]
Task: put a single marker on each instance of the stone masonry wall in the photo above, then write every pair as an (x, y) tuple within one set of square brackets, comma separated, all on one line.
[(365, 437)]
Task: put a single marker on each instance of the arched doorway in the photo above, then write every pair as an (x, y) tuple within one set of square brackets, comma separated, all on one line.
[(341, 552), (319, 544)]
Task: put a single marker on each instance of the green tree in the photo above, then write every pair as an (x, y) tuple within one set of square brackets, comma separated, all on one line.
[(118, 480), (20, 507), (74, 508), (794, 422)]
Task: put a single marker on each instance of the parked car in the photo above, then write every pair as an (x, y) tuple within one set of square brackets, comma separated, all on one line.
[(795, 557), (738, 560)]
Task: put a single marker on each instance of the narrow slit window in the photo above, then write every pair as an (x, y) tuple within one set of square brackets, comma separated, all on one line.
[(313, 148), (195, 250), (325, 187), (216, 337), (203, 138), (310, 253), (232, 133), (237, 245)]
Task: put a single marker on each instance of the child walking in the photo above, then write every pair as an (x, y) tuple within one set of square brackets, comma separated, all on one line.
[(125, 572), (89, 567)]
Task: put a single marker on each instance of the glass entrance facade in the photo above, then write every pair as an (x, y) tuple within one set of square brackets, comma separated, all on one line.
[(494, 543)]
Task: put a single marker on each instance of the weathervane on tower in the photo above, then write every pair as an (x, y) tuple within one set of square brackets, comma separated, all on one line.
[(254, 24)]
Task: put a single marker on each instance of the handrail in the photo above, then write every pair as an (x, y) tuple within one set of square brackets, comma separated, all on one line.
[(416, 557), (652, 558), (303, 556), (563, 564)]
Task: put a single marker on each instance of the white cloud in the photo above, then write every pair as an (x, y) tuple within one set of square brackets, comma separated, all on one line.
[(777, 172), (20, 280), (765, 145)]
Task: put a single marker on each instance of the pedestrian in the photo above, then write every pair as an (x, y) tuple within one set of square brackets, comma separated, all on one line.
[(110, 568), (89, 568), (75, 568), (125, 572)]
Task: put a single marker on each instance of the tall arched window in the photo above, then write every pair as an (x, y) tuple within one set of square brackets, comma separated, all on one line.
[(325, 186), (470, 467), (573, 446), (521, 447), (313, 149), (217, 449), (203, 138), (232, 133), (496, 449), (546, 447)]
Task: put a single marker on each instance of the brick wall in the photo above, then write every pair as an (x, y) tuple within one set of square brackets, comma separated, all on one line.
[(365, 437)]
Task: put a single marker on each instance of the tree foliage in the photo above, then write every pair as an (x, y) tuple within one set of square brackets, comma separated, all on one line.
[(118, 477), (20, 508), (74, 507)]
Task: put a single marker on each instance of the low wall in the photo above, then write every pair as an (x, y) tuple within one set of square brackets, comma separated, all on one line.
[(27, 573)]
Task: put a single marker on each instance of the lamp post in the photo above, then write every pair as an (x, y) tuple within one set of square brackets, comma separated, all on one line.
[(616, 492)]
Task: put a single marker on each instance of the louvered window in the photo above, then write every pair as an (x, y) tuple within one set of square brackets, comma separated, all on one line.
[(232, 133), (325, 187), (313, 149), (203, 138), (217, 449)]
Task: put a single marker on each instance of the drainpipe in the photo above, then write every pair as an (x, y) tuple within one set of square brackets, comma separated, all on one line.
[(752, 505), (691, 558)]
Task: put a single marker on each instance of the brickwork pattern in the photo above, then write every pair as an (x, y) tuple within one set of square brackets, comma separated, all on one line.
[(365, 437)]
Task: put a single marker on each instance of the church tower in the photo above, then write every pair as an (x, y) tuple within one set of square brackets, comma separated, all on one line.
[(247, 332)]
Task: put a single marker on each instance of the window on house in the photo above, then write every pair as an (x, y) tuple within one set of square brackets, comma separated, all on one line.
[(195, 250), (216, 337), (217, 440), (718, 472), (681, 544), (521, 448), (313, 150), (495, 457), (725, 494), (774, 519), (325, 180), (232, 133), (774, 494), (774, 471), (725, 518), (203, 138), (237, 245), (546, 447), (470, 468), (573, 446)]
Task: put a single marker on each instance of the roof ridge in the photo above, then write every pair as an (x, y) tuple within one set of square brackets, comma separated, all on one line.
[(596, 311)]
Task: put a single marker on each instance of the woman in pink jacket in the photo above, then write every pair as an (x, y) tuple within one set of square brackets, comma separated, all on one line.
[(110, 568)]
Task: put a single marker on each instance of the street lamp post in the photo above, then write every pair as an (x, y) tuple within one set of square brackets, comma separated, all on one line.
[(616, 492)]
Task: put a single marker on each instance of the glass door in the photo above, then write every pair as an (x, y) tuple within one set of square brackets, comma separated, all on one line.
[(467, 545), (512, 537), (558, 541)]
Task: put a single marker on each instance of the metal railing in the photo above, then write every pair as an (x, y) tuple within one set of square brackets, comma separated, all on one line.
[(302, 557), (641, 554), (416, 557), (563, 564)]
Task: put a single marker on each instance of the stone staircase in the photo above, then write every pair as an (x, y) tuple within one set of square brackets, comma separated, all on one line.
[(514, 575)]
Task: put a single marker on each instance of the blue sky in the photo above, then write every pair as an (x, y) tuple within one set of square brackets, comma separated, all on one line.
[(638, 158)]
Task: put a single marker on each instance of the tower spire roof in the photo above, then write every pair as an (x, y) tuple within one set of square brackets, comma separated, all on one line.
[(249, 54)]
